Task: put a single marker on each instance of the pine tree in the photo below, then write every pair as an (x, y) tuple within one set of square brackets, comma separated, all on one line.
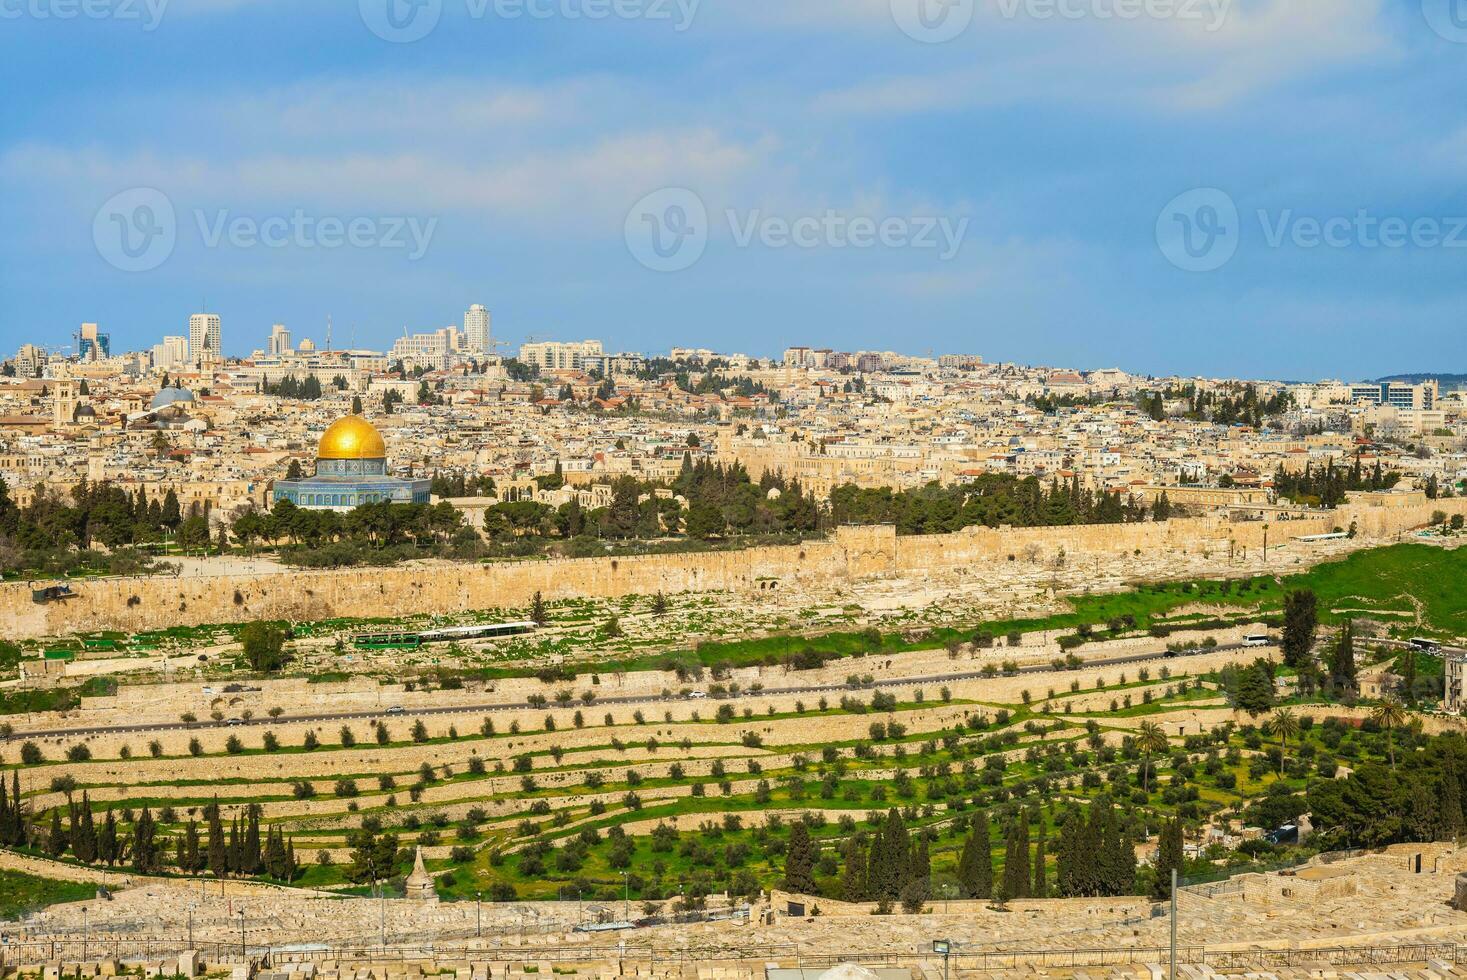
[(537, 610), (799, 862)]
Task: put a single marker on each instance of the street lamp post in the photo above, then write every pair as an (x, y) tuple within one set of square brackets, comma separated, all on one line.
[(944, 947), (243, 958), (625, 896), (1172, 968), (478, 916), (86, 932)]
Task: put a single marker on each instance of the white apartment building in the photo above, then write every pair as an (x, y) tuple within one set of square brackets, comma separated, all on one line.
[(434, 351), (204, 337), (170, 355), (552, 355), (476, 329)]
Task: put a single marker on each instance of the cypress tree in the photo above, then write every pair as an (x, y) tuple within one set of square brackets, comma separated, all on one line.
[(85, 841), (853, 875), (1342, 661), (1449, 803), (192, 860), (250, 857), (799, 863), (233, 860), (57, 840), (218, 851), (107, 840), (1041, 884), (144, 852), (291, 867), (1168, 856)]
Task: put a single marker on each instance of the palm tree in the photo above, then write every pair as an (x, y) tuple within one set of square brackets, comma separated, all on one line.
[(1150, 738), (1285, 726), (1389, 714)]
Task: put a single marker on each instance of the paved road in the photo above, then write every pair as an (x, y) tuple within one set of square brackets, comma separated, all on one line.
[(523, 705)]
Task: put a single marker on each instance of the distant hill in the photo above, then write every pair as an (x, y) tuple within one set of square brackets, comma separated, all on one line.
[(1448, 382)]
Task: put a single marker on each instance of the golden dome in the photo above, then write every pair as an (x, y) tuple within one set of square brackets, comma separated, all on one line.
[(352, 437)]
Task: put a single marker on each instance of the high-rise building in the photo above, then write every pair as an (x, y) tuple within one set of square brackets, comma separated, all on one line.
[(203, 338), (279, 340), (29, 360), (92, 345), (476, 329)]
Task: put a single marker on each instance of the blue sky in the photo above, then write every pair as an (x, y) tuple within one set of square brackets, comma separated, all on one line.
[(1054, 133)]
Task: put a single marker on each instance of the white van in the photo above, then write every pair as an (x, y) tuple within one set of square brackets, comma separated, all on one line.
[(1256, 640)]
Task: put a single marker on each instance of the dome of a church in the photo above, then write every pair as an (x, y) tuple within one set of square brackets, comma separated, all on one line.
[(352, 437), (167, 397)]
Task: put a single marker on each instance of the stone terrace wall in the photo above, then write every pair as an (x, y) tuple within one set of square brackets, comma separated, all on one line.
[(132, 604)]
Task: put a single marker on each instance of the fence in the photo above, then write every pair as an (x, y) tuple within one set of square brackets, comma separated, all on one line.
[(82, 950)]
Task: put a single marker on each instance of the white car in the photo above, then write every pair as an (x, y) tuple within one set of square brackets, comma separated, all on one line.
[(697, 695)]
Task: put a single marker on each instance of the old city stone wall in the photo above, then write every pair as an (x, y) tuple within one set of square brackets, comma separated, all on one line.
[(132, 604)]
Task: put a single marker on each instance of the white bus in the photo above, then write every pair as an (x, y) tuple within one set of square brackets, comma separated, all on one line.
[(1256, 640), (1422, 643)]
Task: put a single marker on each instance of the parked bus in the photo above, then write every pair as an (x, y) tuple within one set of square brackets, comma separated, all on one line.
[(412, 640), (1256, 640), (387, 641), (1422, 643)]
